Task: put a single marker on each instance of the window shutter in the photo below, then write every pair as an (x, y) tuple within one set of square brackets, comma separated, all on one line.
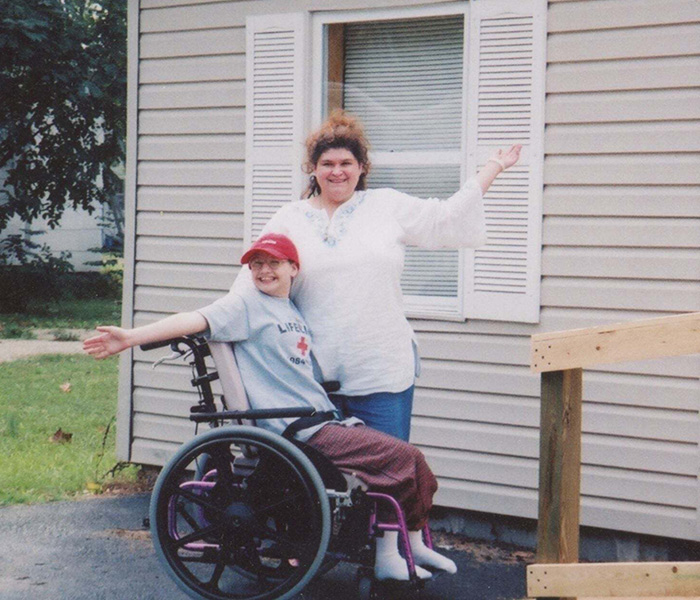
[(275, 105), (506, 98)]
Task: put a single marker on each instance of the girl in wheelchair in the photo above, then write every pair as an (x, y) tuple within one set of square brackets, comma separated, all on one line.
[(273, 352)]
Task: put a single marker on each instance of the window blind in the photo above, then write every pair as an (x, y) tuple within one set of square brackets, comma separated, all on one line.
[(404, 79)]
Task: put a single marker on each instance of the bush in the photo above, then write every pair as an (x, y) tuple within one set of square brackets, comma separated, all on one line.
[(113, 270), (16, 331), (89, 285), (29, 271)]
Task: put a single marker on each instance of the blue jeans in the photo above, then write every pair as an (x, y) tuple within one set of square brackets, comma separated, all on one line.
[(389, 412)]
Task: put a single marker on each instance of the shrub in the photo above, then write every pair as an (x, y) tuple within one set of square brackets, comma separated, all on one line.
[(29, 270), (89, 285), (60, 335), (16, 331)]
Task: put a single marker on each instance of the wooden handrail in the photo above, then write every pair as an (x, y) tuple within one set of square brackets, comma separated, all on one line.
[(603, 580), (634, 340), (560, 357)]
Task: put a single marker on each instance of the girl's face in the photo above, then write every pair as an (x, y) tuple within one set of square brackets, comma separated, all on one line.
[(271, 275), (337, 172)]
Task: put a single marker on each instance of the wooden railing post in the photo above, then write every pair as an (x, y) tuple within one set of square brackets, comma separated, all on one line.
[(560, 467)]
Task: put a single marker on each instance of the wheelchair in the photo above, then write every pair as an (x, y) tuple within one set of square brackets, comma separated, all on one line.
[(242, 513)]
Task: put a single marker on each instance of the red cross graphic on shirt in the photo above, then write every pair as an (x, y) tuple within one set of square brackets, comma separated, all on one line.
[(303, 346)]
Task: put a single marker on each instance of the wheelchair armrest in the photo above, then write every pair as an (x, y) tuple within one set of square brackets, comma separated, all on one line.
[(260, 413)]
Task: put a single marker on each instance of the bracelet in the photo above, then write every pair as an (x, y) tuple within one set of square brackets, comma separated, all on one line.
[(499, 162)]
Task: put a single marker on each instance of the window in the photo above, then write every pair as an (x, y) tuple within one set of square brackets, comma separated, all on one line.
[(438, 89)]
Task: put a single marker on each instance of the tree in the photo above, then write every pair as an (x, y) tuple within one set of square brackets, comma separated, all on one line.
[(63, 105)]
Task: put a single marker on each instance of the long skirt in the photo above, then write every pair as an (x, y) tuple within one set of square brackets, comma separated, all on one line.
[(386, 464)]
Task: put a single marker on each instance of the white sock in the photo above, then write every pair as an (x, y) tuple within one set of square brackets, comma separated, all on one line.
[(389, 564), (426, 557)]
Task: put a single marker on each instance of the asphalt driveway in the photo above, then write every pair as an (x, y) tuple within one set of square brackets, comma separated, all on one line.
[(97, 549)]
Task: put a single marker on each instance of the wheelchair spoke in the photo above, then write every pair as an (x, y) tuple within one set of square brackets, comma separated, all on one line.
[(205, 560), (189, 519), (289, 545), (270, 507), (197, 535), (218, 572), (196, 499)]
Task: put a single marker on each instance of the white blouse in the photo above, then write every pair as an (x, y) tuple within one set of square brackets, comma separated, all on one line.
[(348, 288)]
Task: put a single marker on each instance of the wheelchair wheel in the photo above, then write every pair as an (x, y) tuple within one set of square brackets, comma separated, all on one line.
[(253, 527)]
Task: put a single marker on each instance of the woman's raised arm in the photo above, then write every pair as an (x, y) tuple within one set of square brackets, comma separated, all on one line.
[(458, 222)]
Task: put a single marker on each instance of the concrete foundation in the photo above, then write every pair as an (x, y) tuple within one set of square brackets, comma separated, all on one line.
[(597, 545)]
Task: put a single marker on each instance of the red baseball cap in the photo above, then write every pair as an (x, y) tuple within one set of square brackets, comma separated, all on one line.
[(274, 244)]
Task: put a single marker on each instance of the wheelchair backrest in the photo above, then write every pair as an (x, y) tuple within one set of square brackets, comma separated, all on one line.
[(230, 377)]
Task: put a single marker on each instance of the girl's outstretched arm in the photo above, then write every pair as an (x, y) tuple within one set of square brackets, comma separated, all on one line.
[(112, 340)]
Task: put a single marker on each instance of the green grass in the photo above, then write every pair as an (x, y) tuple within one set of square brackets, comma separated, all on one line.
[(63, 314), (33, 407)]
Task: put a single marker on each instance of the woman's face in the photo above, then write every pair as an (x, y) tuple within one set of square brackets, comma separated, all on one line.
[(337, 172)]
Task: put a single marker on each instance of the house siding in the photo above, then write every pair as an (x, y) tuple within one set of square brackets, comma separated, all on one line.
[(621, 240), (77, 233)]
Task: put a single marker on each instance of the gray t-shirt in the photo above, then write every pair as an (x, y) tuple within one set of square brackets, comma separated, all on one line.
[(273, 352)]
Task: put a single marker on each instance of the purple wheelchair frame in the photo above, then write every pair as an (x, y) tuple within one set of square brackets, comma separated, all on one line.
[(374, 524)]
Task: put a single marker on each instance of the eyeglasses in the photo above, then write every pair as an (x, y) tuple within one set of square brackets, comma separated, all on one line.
[(273, 263)]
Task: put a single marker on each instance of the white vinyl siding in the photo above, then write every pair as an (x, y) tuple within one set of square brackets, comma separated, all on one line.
[(78, 233), (620, 241), (189, 200)]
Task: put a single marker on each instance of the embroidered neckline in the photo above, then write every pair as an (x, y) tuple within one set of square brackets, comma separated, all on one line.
[(331, 230)]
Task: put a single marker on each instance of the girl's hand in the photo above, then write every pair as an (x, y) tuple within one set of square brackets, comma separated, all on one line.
[(508, 158), (112, 340)]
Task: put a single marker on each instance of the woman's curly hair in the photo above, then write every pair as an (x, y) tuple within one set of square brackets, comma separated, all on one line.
[(341, 130)]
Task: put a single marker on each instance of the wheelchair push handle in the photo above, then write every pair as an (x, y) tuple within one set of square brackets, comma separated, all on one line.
[(155, 345), (192, 342)]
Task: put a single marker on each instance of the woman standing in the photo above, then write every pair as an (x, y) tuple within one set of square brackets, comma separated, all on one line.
[(352, 243)]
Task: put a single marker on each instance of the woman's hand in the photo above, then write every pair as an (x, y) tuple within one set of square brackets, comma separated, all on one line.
[(507, 158), (499, 162), (112, 340)]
